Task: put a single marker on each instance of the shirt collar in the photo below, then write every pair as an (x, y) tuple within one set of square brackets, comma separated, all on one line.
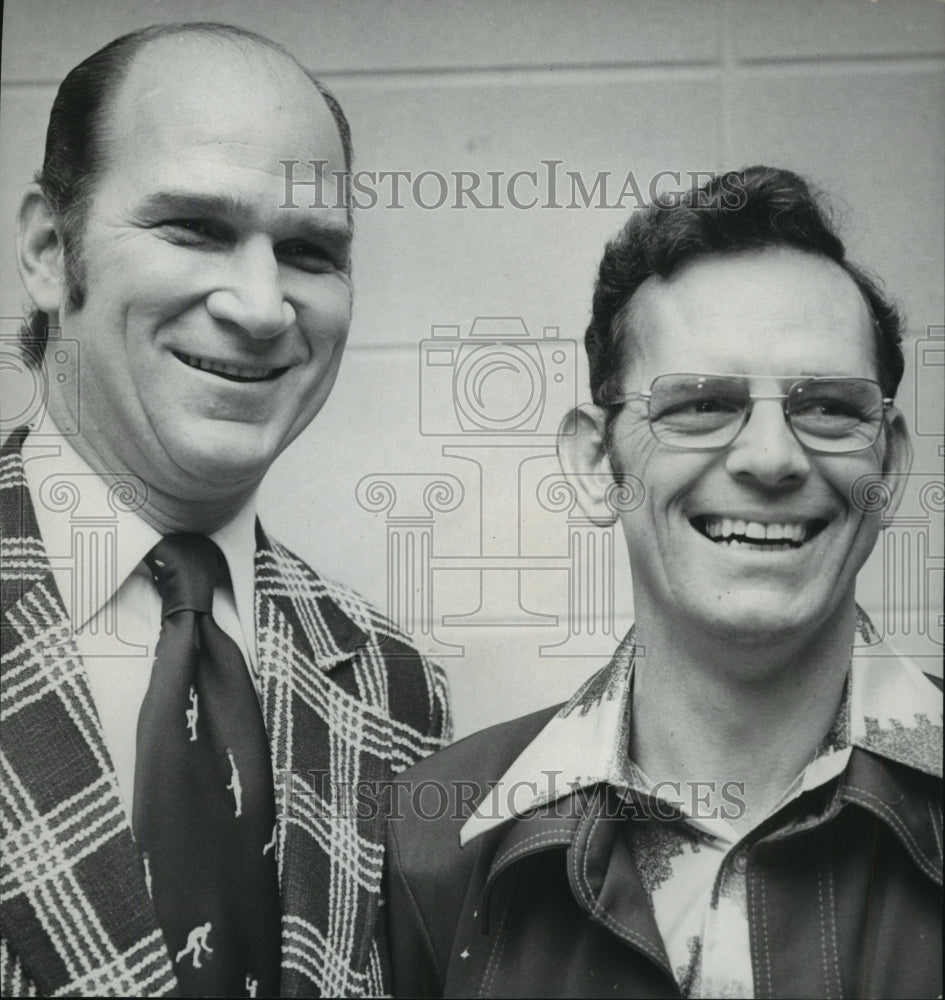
[(894, 711), (74, 504), (237, 541), (84, 517)]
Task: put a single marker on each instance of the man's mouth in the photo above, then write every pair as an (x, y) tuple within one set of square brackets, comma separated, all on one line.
[(777, 535), (232, 373)]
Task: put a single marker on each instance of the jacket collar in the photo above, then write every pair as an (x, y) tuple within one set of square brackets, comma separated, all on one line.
[(582, 745), (911, 809), (600, 869), (68, 831), (894, 730), (284, 586)]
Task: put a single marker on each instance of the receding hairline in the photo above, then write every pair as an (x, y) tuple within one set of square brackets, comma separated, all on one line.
[(212, 31), (271, 55), (221, 34), (266, 62)]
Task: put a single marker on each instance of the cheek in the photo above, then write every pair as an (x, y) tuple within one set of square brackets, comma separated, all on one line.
[(660, 475), (133, 296), (324, 318), (631, 446), (851, 554), (858, 482)]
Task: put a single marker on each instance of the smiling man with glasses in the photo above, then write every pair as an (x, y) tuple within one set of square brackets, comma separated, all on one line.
[(747, 800)]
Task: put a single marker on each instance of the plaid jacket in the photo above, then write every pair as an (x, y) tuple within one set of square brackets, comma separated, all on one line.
[(347, 703)]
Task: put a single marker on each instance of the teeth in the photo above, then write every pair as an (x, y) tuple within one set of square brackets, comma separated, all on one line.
[(240, 371), (719, 528)]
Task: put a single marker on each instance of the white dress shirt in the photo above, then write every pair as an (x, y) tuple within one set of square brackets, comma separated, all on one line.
[(96, 548)]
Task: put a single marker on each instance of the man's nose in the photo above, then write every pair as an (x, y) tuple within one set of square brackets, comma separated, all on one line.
[(251, 295), (766, 449)]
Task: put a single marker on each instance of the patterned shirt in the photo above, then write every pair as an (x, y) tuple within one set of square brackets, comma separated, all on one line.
[(691, 862)]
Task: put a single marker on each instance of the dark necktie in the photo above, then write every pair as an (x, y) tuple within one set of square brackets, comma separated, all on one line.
[(204, 811)]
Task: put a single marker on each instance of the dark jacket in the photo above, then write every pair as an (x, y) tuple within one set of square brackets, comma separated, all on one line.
[(847, 902)]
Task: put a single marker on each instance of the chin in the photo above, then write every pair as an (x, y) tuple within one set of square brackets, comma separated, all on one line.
[(226, 466), (758, 617)]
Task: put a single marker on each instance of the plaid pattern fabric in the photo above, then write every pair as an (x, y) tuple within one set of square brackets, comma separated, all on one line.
[(347, 703)]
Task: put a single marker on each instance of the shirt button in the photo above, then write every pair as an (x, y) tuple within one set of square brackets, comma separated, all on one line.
[(740, 862)]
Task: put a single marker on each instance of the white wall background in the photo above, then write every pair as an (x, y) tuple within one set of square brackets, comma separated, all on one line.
[(849, 92)]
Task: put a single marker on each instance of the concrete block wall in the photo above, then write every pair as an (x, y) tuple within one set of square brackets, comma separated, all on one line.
[(487, 568)]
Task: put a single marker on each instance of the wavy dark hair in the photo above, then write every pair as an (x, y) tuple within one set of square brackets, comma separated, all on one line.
[(75, 155), (751, 209)]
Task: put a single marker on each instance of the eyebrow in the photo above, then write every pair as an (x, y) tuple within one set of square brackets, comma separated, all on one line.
[(162, 204), (803, 373)]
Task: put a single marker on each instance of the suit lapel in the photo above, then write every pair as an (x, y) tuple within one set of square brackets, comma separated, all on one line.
[(330, 749), (75, 904)]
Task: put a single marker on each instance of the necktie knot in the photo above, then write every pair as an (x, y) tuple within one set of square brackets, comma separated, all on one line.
[(185, 569)]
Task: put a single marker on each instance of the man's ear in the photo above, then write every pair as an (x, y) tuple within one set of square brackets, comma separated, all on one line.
[(585, 462), (39, 251), (897, 460)]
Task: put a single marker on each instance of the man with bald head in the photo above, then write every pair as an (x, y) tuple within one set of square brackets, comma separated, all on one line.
[(181, 815)]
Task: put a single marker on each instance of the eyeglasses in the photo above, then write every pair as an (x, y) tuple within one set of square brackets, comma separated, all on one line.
[(832, 416)]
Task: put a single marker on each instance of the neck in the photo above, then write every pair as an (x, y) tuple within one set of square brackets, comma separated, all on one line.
[(208, 508), (170, 515), (753, 712)]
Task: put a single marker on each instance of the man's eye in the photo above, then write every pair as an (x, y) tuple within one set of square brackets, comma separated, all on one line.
[(190, 230), (711, 405), (307, 257), (692, 415), (704, 405), (827, 409)]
